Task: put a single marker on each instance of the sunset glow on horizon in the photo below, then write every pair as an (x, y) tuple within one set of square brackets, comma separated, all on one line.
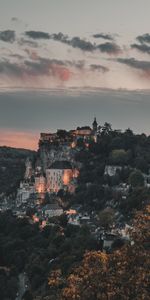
[(73, 45), (19, 139)]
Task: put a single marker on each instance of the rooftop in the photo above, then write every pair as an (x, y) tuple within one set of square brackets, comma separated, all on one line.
[(84, 128), (62, 164), (53, 206)]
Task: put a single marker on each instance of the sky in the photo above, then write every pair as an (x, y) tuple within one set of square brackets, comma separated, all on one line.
[(62, 62)]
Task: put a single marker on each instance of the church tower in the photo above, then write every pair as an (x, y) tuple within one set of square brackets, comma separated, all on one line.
[(29, 171), (94, 125)]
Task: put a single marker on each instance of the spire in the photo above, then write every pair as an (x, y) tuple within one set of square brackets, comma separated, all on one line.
[(94, 125)]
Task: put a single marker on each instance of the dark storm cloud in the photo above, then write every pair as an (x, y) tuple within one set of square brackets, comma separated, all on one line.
[(109, 48), (75, 42), (79, 64), (44, 66), (145, 38), (103, 36), (7, 36), (136, 64), (30, 43), (37, 35), (46, 61), (100, 68), (39, 67), (10, 69), (60, 37), (15, 70), (43, 60), (142, 48)]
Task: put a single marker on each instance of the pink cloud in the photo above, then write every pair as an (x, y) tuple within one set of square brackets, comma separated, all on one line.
[(63, 73)]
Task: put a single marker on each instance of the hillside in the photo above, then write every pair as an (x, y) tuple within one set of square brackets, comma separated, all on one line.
[(12, 167), (98, 248)]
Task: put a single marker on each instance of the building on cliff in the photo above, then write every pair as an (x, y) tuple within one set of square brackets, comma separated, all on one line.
[(58, 175), (63, 137), (29, 169), (40, 184), (24, 192)]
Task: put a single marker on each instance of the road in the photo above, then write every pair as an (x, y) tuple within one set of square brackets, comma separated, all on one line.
[(22, 285)]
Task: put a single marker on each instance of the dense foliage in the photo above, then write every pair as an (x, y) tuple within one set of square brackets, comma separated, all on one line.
[(65, 262), (24, 246), (130, 152), (122, 275), (12, 167)]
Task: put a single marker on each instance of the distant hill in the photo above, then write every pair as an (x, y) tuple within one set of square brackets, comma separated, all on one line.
[(12, 167)]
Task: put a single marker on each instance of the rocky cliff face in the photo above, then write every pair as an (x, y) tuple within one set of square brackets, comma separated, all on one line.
[(48, 155)]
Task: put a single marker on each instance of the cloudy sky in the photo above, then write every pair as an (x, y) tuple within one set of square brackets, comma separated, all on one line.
[(62, 62)]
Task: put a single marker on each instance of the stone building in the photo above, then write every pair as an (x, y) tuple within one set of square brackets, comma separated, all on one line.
[(52, 210), (29, 170), (112, 170), (58, 175), (40, 184), (24, 192)]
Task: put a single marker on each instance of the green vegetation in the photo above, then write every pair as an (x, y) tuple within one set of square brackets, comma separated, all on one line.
[(136, 179), (23, 246), (12, 167), (119, 157), (130, 152), (58, 258), (122, 275)]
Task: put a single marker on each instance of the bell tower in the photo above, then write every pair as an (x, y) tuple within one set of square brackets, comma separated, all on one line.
[(94, 125), (29, 171)]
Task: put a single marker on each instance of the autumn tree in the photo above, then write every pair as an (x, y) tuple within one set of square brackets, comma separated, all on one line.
[(122, 275)]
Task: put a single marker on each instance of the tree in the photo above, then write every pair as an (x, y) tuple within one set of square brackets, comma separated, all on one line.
[(27, 296), (61, 133), (106, 217), (106, 129), (117, 143), (63, 220), (136, 179), (137, 199), (122, 275), (119, 157), (141, 164)]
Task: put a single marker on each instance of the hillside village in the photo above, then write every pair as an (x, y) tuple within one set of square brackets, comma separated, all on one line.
[(54, 170), (79, 192), (53, 185)]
